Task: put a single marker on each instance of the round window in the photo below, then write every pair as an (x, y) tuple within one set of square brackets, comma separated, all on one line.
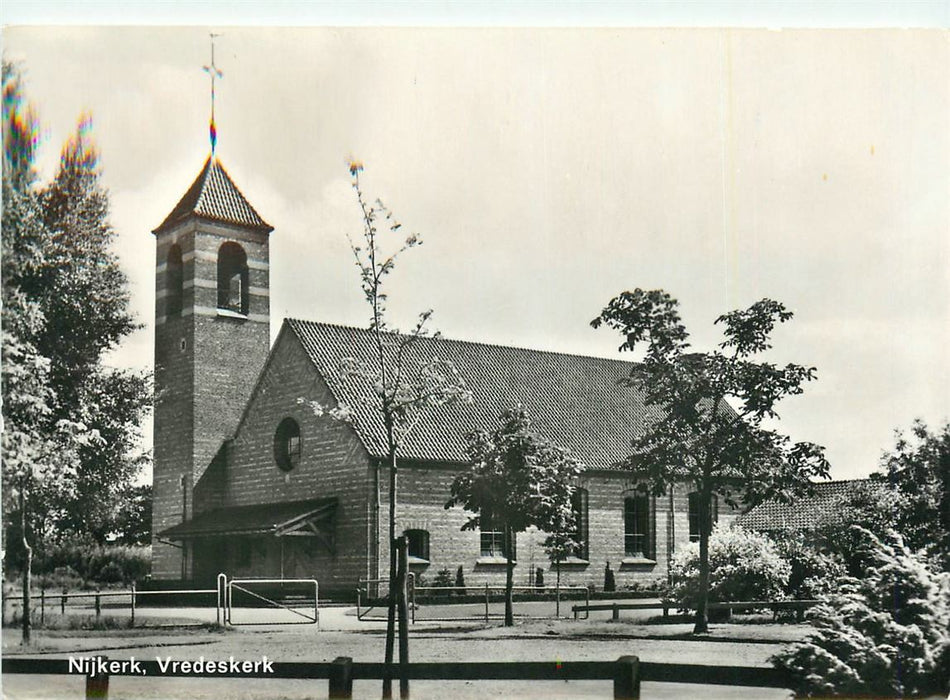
[(287, 444)]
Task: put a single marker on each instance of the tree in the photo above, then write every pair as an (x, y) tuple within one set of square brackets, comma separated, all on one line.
[(132, 523), (712, 408), (883, 634), (70, 423), (516, 479), (918, 469), (405, 382)]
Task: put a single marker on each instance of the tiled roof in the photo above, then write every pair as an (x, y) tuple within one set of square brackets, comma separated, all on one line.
[(260, 519), (574, 401), (214, 196), (823, 504)]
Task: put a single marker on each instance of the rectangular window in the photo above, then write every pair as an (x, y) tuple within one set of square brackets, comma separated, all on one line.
[(637, 526), (418, 543), (493, 537), (581, 521), (694, 514)]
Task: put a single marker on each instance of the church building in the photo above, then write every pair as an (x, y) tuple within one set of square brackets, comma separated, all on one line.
[(249, 481)]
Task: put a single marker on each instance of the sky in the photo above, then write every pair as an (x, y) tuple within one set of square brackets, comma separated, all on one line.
[(549, 169)]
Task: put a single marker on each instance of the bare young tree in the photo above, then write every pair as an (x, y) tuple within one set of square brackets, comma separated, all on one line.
[(407, 379)]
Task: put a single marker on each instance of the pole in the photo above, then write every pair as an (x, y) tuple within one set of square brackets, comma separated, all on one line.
[(132, 623), (43, 606), (98, 605), (62, 602), (341, 678), (402, 578), (97, 685), (627, 678), (486, 602)]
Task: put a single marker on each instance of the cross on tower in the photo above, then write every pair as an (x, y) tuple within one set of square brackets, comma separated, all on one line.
[(213, 72)]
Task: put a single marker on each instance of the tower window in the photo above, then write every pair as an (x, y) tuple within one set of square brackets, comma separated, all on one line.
[(174, 281), (287, 444), (232, 278)]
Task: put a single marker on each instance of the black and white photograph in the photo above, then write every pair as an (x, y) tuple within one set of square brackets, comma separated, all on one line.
[(513, 358)]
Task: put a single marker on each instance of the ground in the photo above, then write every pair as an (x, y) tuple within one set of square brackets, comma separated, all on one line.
[(340, 633)]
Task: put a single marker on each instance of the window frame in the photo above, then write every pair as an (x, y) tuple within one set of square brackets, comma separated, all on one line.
[(421, 539), (580, 504), (288, 445), (232, 262), (639, 513), (494, 538)]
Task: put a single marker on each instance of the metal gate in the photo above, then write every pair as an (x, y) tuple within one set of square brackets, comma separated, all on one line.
[(227, 588)]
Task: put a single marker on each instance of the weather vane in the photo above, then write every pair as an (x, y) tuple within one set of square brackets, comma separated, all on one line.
[(213, 71)]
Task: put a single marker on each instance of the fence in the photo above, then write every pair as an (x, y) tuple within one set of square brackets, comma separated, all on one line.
[(799, 606), (469, 594), (49, 599), (626, 673)]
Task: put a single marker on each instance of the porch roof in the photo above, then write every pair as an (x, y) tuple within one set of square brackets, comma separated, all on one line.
[(277, 519)]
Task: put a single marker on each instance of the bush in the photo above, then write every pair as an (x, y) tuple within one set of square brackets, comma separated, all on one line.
[(884, 634), (443, 579), (813, 572), (743, 565), (460, 580), (539, 578), (96, 564), (610, 583)]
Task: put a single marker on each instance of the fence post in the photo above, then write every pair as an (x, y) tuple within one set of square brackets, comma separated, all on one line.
[(62, 602), (98, 605), (627, 678), (486, 602), (97, 685), (341, 677), (43, 606), (557, 600), (132, 623), (615, 617)]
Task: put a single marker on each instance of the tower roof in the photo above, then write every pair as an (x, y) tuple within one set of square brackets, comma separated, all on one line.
[(214, 196)]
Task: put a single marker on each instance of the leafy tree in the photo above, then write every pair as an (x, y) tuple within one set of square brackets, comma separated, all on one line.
[(885, 634), (918, 469), (713, 406), (132, 523), (518, 477), (70, 422), (405, 383)]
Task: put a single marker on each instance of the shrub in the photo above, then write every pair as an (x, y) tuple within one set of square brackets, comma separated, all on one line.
[(443, 579), (884, 634), (813, 572), (610, 583), (743, 565), (460, 580), (97, 564), (539, 578)]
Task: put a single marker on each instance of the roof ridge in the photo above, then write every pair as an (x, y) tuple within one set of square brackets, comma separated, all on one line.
[(465, 341)]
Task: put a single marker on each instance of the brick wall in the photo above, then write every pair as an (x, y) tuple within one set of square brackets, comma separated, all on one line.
[(424, 490), (333, 464), (205, 368)]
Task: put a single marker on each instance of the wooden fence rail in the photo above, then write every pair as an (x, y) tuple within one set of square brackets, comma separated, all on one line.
[(799, 606), (626, 673)]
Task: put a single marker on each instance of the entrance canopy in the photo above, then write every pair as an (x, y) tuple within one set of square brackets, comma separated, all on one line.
[(312, 518)]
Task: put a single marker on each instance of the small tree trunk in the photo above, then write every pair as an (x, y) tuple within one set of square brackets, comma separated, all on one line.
[(702, 615), (403, 609), (392, 598), (509, 580), (557, 594), (27, 566)]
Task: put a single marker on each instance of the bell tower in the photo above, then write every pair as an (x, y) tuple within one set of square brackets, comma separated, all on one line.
[(212, 335)]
